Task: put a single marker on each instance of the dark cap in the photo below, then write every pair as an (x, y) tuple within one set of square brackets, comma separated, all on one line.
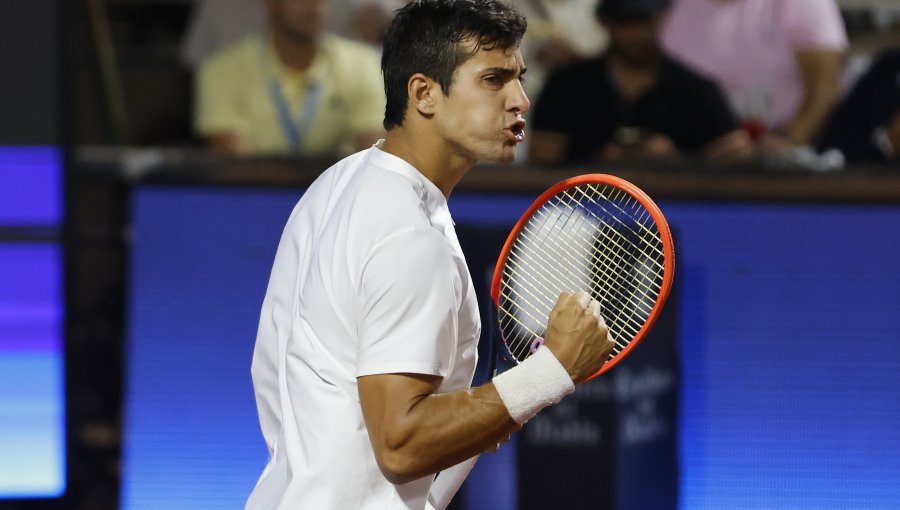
[(631, 9)]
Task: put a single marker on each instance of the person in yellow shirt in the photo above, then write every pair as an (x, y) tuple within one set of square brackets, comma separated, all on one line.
[(294, 89)]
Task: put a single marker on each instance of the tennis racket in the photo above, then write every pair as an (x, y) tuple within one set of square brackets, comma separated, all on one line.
[(595, 233)]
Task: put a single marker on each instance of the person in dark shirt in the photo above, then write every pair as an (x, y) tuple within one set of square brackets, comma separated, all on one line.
[(866, 125), (633, 101)]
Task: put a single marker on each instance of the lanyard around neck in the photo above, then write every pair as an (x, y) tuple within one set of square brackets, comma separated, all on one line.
[(294, 128)]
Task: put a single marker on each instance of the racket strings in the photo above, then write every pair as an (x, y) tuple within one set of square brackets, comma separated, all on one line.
[(615, 262), (611, 251), (641, 219), (551, 294), (605, 270), (530, 263), (628, 258), (546, 301), (615, 200), (545, 295), (609, 228), (538, 298), (526, 333), (540, 234), (515, 296), (618, 266)]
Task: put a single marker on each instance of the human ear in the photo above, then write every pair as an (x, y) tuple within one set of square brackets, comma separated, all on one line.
[(421, 91)]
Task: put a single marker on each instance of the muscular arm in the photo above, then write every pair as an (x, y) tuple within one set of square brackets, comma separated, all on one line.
[(416, 432), (821, 73)]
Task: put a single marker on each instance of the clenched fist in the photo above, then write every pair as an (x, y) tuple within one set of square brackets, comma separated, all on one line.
[(577, 335)]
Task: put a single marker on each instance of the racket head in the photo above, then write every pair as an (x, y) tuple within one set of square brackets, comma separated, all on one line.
[(590, 215)]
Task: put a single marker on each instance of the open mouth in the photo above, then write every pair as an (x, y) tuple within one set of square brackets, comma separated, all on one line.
[(517, 131)]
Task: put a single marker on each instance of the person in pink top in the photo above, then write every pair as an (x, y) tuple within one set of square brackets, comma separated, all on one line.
[(778, 61)]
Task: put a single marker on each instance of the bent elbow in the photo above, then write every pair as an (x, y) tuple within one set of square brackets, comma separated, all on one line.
[(397, 457), (398, 467)]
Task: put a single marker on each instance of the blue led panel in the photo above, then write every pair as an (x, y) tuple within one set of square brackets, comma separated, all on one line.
[(790, 343), (32, 396), (198, 273), (790, 351), (30, 186)]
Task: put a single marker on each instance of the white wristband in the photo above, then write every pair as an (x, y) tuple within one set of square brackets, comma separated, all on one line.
[(540, 381)]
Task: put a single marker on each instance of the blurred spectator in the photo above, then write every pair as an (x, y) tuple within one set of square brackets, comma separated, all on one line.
[(294, 89), (778, 61), (368, 20), (866, 125), (632, 101), (559, 32), (215, 24)]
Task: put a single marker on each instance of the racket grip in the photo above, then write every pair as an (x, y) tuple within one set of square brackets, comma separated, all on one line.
[(536, 344)]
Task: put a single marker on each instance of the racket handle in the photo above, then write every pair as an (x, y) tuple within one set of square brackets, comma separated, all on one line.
[(536, 344)]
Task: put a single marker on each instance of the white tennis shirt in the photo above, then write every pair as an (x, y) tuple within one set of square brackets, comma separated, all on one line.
[(369, 278)]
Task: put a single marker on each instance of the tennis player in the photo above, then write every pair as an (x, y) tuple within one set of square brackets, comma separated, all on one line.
[(368, 333)]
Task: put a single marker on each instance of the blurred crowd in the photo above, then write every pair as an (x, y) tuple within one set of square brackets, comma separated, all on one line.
[(721, 80)]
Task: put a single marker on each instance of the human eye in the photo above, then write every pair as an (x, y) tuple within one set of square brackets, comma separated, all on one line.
[(493, 80)]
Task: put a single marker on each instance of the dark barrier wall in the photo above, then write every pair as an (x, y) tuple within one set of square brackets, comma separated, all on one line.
[(788, 332), (612, 444), (30, 50)]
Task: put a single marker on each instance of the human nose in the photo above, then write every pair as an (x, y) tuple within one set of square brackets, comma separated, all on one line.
[(518, 102)]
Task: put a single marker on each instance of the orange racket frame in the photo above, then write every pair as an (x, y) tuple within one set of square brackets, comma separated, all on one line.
[(661, 224)]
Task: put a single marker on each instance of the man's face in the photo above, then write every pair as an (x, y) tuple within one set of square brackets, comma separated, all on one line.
[(636, 39), (482, 116), (302, 20)]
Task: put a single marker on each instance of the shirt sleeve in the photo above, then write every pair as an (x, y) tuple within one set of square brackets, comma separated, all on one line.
[(814, 24), (409, 300)]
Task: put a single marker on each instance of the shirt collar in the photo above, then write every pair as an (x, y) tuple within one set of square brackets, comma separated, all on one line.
[(433, 198)]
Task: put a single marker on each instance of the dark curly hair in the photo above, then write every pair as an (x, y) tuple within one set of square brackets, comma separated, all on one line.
[(425, 37)]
